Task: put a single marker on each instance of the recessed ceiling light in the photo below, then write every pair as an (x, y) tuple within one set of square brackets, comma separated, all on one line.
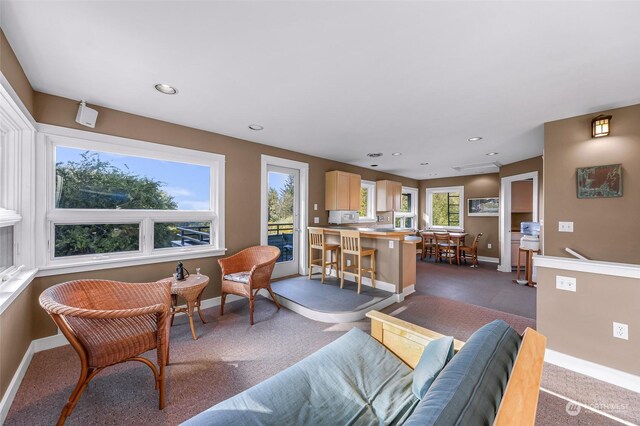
[(395, 154), (491, 153), (374, 165), (424, 164), (255, 127), (475, 139), (166, 89), (374, 154)]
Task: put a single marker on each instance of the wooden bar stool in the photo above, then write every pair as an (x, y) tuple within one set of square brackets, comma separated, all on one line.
[(318, 242), (350, 244)]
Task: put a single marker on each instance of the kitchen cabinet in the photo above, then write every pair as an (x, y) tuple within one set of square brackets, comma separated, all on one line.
[(522, 196), (388, 196), (342, 191)]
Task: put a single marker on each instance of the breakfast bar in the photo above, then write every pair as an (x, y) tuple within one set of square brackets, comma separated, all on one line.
[(395, 257)]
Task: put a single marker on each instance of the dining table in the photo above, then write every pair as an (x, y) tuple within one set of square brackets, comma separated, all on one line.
[(456, 237)]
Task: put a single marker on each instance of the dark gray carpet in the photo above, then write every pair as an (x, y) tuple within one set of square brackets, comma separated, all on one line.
[(328, 297), (483, 286)]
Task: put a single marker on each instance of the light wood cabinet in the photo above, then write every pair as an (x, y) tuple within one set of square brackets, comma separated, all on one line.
[(342, 191), (522, 196), (388, 195)]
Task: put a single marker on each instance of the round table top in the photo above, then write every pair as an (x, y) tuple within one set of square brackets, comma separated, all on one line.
[(192, 281)]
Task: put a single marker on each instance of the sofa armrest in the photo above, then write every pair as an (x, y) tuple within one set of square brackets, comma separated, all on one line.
[(407, 341)]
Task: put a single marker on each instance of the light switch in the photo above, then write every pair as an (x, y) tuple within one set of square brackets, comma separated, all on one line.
[(565, 226), (315, 207), (390, 243), (316, 220)]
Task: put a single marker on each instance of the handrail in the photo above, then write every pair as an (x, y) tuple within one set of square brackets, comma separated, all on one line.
[(575, 254)]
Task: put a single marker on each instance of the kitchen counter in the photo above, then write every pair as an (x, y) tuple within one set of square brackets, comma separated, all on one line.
[(395, 255)]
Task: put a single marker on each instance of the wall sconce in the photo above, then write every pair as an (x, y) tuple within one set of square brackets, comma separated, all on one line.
[(601, 126)]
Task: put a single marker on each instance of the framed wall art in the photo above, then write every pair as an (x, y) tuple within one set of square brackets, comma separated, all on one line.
[(600, 181), (483, 206)]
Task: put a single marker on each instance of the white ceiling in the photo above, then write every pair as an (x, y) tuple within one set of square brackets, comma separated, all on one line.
[(340, 79)]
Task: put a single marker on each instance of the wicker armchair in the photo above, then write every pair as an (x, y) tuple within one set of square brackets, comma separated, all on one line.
[(246, 272), (109, 322)]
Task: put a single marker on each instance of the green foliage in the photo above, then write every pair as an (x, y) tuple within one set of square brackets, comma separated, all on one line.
[(92, 183), (281, 203), (445, 209), (364, 201)]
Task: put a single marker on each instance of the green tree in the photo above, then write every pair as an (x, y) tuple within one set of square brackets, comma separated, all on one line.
[(92, 183), (274, 205), (286, 200)]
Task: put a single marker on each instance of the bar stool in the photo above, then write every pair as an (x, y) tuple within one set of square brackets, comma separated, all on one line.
[(318, 242), (350, 244)]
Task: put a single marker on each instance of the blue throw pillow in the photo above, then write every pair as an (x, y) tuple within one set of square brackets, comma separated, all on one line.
[(435, 356)]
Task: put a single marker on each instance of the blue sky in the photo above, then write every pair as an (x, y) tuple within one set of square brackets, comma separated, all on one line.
[(187, 183), (277, 180)]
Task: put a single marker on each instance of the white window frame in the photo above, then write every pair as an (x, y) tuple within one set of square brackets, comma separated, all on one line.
[(17, 147), (429, 207), (49, 216), (414, 208), (370, 186)]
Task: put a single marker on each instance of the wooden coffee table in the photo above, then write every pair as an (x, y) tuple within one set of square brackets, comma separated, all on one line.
[(191, 291)]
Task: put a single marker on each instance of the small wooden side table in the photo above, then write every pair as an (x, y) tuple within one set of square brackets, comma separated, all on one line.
[(191, 291), (528, 265)]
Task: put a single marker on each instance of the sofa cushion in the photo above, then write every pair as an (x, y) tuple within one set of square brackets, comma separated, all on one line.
[(469, 389), (239, 277), (354, 380), (435, 356)]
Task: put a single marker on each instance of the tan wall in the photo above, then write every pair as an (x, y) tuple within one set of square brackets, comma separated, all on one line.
[(242, 203), (604, 228), (15, 336), (476, 186), (580, 323), (13, 72)]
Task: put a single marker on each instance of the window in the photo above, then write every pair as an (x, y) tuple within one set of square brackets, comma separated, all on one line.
[(367, 201), (445, 207), (407, 217), (114, 200)]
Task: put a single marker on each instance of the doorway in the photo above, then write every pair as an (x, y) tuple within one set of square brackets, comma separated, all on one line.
[(283, 212), (512, 213)]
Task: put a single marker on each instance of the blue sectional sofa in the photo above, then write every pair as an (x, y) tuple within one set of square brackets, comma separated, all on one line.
[(367, 380)]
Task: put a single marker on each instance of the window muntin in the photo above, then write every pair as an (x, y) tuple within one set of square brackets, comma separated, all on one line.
[(195, 196), (367, 210), (89, 179), (445, 207), (96, 238), (407, 217)]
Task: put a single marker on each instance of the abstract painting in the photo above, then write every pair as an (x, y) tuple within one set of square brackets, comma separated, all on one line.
[(600, 181)]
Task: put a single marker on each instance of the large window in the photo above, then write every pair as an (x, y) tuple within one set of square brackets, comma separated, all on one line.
[(117, 199), (407, 217), (367, 201), (445, 207)]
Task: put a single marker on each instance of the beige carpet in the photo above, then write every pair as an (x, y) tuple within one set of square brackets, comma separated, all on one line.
[(231, 356)]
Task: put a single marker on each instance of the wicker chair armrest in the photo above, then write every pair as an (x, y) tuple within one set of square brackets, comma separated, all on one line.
[(261, 274), (69, 311), (234, 263)]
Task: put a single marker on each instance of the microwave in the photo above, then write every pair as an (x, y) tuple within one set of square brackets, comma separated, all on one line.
[(339, 217)]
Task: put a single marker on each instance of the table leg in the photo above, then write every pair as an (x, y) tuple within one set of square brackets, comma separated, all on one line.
[(193, 329), (199, 308)]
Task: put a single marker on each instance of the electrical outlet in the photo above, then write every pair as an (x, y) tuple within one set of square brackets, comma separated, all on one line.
[(348, 262), (565, 226), (489, 245), (566, 283), (390, 243), (315, 207), (621, 331), (316, 220)]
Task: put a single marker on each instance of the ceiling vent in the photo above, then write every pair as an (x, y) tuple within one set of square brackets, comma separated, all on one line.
[(493, 167)]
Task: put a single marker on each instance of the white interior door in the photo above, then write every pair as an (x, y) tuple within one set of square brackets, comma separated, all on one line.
[(283, 217)]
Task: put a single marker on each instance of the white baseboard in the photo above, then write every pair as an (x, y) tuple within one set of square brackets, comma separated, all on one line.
[(591, 369), (14, 385), (488, 259)]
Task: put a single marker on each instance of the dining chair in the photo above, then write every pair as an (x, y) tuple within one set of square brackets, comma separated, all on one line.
[(351, 244), (471, 250), (444, 246), (317, 241), (428, 245)]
